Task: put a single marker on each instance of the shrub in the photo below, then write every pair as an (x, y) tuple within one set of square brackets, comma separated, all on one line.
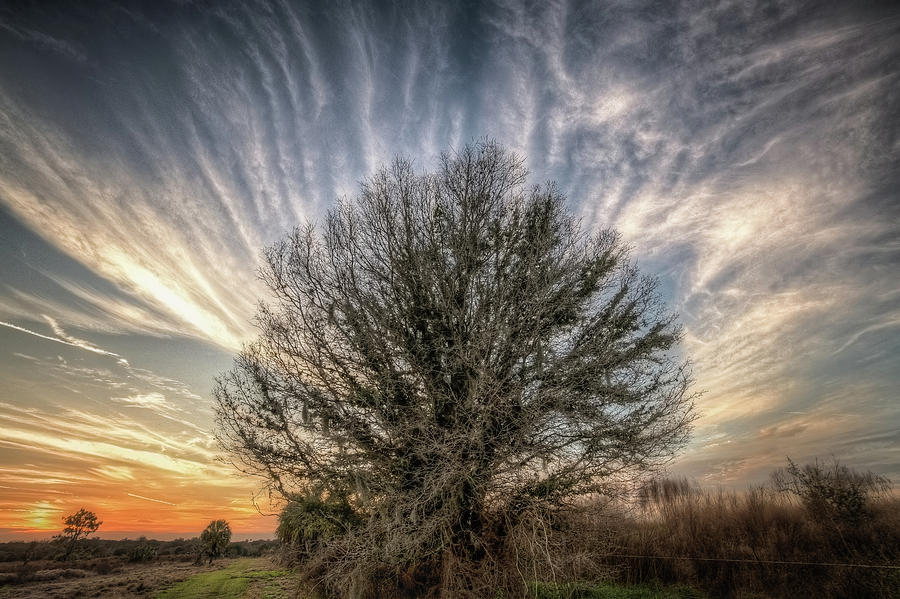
[(307, 521), (831, 489), (144, 551), (104, 565), (214, 539), (236, 550)]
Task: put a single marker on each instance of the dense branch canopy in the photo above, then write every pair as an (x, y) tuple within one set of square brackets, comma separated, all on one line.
[(451, 341)]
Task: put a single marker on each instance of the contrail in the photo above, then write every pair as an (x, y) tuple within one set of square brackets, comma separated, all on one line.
[(149, 499), (68, 340)]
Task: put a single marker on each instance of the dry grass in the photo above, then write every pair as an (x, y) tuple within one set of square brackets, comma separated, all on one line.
[(50, 580), (755, 529), (724, 544)]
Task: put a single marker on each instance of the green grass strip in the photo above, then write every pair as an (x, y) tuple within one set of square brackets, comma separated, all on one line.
[(228, 583), (546, 590)]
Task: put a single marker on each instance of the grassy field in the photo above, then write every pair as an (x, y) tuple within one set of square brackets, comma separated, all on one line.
[(253, 578), (612, 591), (245, 578), (249, 579)]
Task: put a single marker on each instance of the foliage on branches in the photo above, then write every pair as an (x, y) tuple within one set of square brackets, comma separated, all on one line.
[(214, 540), (448, 351), (306, 522), (831, 489), (144, 551), (79, 525)]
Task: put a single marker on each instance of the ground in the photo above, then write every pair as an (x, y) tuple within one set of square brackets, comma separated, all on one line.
[(247, 578), (251, 578), (612, 591)]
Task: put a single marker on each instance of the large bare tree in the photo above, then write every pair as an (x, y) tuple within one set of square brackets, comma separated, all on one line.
[(447, 347)]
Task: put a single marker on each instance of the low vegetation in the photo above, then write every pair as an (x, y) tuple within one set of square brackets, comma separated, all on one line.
[(612, 591), (145, 551), (821, 530), (72, 565), (257, 578), (235, 581), (100, 551), (214, 540), (305, 523), (779, 540)]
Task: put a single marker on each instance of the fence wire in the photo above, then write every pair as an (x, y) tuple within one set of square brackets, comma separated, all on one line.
[(758, 561)]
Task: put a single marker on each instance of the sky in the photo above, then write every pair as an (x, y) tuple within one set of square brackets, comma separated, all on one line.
[(748, 152)]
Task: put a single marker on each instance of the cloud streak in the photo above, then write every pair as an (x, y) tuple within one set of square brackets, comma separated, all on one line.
[(746, 151), (65, 339), (149, 499)]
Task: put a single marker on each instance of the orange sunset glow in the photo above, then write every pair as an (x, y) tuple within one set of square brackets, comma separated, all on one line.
[(142, 482)]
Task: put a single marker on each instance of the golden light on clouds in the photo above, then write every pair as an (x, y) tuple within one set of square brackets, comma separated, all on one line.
[(41, 516), (142, 463), (752, 168)]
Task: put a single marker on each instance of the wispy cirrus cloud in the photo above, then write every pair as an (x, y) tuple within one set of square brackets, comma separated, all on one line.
[(114, 472), (747, 151), (42, 39)]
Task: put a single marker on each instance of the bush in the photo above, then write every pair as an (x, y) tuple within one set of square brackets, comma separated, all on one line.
[(307, 521), (214, 540), (104, 565), (236, 550), (144, 551), (831, 489)]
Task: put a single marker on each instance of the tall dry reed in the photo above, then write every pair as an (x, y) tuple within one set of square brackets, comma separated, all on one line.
[(758, 543)]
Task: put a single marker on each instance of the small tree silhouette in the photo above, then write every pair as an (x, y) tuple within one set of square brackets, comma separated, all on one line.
[(79, 525), (214, 539)]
